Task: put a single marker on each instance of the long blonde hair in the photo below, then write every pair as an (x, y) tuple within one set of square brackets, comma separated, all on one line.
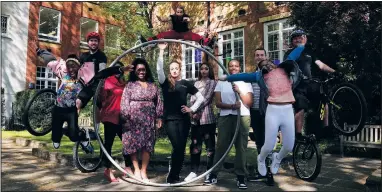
[(170, 78)]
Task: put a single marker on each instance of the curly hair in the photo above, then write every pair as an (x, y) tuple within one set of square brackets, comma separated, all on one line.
[(133, 77)]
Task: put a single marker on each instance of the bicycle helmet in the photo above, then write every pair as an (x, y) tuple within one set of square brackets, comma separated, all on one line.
[(297, 33), (93, 35)]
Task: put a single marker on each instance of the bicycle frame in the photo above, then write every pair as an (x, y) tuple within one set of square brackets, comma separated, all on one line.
[(325, 97)]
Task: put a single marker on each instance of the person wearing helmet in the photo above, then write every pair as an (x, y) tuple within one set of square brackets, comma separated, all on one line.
[(303, 90), (93, 57)]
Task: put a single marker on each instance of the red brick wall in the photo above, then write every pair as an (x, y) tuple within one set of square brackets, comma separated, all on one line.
[(71, 13)]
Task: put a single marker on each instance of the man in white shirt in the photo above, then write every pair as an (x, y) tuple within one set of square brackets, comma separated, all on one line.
[(226, 102), (257, 118)]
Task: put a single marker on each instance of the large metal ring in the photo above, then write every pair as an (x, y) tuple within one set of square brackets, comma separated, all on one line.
[(97, 124)]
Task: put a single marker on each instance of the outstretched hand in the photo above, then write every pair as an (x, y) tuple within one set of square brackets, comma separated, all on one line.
[(128, 68), (223, 78)]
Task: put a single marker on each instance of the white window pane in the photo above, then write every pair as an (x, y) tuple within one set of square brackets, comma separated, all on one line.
[(273, 42), (87, 26), (227, 37), (112, 36), (274, 55), (286, 39), (238, 34), (188, 71), (49, 25), (197, 70), (273, 27)]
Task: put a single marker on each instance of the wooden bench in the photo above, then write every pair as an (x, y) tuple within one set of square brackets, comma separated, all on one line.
[(369, 137), (85, 122)]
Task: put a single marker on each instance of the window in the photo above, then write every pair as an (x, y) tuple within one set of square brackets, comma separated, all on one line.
[(49, 24), (192, 58), (112, 36), (276, 39), (232, 40), (45, 78), (87, 26), (4, 24)]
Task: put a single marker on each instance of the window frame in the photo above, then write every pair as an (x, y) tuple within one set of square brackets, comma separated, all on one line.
[(58, 27), (193, 68), (46, 79), (118, 41), (85, 44), (281, 37), (7, 28), (220, 45)]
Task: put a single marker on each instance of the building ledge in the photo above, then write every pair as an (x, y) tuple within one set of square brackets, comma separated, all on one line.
[(230, 27), (49, 41), (274, 17)]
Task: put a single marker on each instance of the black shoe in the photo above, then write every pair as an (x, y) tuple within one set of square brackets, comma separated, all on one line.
[(172, 179), (212, 179), (255, 177), (241, 182)]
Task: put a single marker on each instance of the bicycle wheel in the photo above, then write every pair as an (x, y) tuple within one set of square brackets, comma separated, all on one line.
[(307, 160), (37, 116), (348, 109), (88, 160)]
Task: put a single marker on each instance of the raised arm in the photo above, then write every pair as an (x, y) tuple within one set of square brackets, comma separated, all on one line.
[(160, 71)]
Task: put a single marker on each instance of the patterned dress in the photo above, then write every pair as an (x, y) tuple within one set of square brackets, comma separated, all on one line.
[(140, 107)]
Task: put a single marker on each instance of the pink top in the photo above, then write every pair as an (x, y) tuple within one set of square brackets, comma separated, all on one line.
[(279, 87)]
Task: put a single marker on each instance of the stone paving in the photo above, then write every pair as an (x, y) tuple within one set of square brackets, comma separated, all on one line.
[(23, 172)]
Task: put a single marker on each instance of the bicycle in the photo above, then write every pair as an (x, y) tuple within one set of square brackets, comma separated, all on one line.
[(37, 118), (339, 112)]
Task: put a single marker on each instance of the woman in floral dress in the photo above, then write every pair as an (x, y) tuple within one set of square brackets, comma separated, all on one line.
[(141, 110)]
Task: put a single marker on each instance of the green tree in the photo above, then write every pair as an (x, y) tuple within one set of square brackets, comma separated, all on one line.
[(347, 36)]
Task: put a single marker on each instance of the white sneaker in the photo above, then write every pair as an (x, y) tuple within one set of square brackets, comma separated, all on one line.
[(85, 143), (261, 167), (207, 176), (190, 176), (275, 163), (56, 145)]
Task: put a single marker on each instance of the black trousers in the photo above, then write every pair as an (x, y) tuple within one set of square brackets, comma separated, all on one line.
[(111, 130), (258, 126), (69, 115), (200, 134), (177, 131)]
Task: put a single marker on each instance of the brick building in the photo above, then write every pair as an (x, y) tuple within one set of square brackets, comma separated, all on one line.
[(59, 26), (242, 27)]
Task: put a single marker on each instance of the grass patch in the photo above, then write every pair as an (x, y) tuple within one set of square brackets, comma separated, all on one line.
[(162, 146)]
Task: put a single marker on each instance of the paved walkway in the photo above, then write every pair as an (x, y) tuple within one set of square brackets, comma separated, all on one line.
[(23, 172)]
